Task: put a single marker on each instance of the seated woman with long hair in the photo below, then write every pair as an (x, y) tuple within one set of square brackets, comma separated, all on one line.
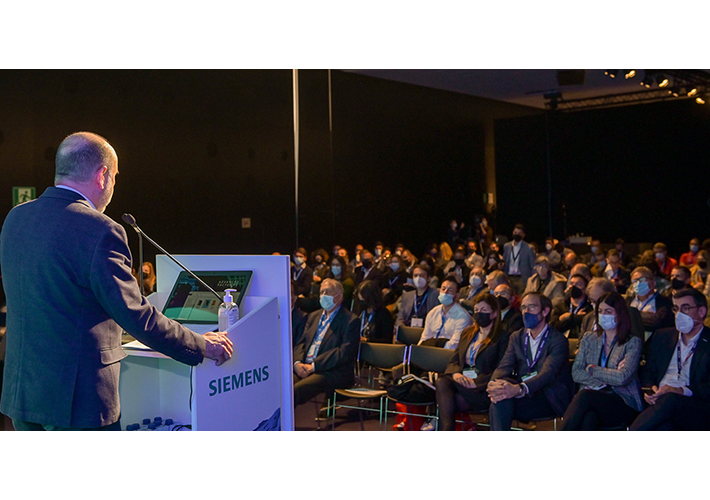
[(463, 386), (606, 368)]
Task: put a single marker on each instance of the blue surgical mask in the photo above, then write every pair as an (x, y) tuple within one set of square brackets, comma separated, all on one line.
[(394, 266), (607, 321), (694, 248), (641, 288), (446, 299), (531, 320), (336, 270), (327, 302), (298, 260)]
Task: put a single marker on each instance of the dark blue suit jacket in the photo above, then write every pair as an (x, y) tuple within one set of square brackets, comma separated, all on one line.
[(67, 276)]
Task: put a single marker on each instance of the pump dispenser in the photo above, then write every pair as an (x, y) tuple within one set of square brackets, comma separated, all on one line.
[(228, 311)]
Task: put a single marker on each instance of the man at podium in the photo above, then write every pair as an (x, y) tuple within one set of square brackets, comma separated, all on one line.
[(325, 356), (67, 277)]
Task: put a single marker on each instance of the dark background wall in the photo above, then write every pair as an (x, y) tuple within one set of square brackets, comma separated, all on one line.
[(637, 172), (199, 150)]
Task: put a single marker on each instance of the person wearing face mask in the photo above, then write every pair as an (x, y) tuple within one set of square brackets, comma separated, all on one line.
[(453, 233), (298, 319), (699, 272), (493, 261), (567, 316), (324, 358), (606, 369), (376, 323), (655, 309), (677, 370), (339, 271), (626, 258), (615, 272), (457, 267), (511, 319), (680, 279), (665, 263), (301, 274), (476, 285), (416, 304), (519, 258), (368, 270), (689, 258), (546, 281), (463, 386), (533, 379), (598, 269), (595, 250), (553, 257), (473, 259), (595, 289), (394, 280), (446, 321)]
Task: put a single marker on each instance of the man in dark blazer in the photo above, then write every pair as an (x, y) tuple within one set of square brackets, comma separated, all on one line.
[(324, 359), (67, 276), (677, 370), (519, 258), (533, 380)]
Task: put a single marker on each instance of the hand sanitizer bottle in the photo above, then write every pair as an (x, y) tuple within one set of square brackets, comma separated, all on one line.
[(228, 311)]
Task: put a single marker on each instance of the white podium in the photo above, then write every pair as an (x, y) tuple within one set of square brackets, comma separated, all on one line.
[(251, 391)]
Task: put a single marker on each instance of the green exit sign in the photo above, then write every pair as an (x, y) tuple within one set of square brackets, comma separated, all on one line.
[(23, 194)]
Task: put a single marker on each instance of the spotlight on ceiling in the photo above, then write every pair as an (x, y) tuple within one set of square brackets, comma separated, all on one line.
[(630, 74), (692, 92), (647, 81), (612, 73), (675, 91), (700, 100), (663, 81)]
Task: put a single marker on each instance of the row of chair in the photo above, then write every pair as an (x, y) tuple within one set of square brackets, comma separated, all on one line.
[(384, 357)]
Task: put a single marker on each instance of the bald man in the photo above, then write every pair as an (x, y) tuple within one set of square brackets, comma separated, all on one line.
[(67, 276)]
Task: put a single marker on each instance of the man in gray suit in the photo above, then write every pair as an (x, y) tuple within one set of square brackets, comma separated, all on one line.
[(67, 276), (519, 258)]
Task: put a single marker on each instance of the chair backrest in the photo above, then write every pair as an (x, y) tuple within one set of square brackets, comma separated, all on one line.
[(382, 355), (408, 335), (431, 359)]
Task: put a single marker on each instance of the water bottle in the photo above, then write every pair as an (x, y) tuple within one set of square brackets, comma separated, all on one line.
[(228, 311)]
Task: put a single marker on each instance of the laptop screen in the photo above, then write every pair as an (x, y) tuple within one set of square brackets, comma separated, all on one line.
[(191, 302)]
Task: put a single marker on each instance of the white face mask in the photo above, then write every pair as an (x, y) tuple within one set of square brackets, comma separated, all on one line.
[(475, 281), (659, 255), (683, 322), (419, 282), (548, 247)]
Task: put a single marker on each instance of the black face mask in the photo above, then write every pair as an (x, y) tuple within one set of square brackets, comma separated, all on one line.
[(677, 284), (702, 264), (363, 304), (503, 302), (459, 262), (367, 263), (518, 237), (482, 319), (576, 293)]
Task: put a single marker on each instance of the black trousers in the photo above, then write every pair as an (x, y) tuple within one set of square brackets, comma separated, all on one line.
[(305, 389), (591, 410), (502, 414), (452, 397), (674, 412)]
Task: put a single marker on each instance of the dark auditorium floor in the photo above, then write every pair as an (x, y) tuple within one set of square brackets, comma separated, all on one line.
[(305, 421)]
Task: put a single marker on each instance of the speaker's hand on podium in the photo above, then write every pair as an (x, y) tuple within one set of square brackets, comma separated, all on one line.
[(218, 347)]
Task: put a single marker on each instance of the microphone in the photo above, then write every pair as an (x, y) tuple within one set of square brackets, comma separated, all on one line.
[(131, 221)]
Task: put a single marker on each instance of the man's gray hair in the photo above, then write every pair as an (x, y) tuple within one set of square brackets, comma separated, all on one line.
[(605, 284), (80, 155), (335, 284)]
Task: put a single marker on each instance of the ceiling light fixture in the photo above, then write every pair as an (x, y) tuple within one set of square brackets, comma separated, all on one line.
[(630, 74), (611, 73), (663, 81)]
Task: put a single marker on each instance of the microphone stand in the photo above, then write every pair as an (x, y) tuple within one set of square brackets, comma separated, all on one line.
[(131, 221)]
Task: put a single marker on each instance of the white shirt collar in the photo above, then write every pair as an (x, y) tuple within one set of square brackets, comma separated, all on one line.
[(62, 186)]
